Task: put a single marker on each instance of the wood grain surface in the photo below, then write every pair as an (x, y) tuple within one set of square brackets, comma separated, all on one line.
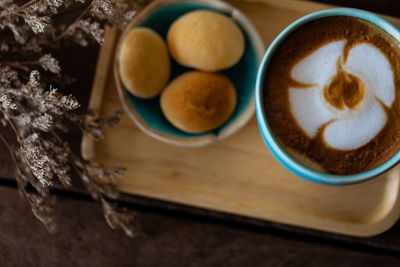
[(176, 235), (83, 239)]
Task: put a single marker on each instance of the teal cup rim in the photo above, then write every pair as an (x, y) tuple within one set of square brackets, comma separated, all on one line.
[(269, 139)]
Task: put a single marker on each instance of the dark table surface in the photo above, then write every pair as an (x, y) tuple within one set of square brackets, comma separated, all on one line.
[(175, 235)]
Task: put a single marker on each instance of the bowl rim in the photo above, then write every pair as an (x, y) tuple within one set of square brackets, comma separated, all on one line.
[(205, 139), (269, 139)]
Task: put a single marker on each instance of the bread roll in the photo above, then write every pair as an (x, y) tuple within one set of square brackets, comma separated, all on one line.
[(205, 40), (197, 102), (144, 63)]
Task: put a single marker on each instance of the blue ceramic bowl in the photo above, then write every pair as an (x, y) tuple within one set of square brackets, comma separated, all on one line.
[(273, 144), (147, 114)]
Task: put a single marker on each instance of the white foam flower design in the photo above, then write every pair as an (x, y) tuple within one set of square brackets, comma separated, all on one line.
[(346, 127)]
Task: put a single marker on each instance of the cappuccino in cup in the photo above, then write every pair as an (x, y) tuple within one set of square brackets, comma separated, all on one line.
[(331, 95)]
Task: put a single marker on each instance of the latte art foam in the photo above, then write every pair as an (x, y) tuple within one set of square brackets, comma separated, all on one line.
[(342, 93), (331, 95)]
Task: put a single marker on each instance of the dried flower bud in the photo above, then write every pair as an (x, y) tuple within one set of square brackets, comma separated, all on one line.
[(69, 102), (121, 218), (92, 28), (8, 102), (37, 24), (33, 85), (24, 119), (7, 76), (102, 8), (49, 63), (43, 123), (37, 159), (47, 6), (43, 209)]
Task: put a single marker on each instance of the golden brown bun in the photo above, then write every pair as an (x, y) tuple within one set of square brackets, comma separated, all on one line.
[(205, 40), (197, 102), (144, 63)]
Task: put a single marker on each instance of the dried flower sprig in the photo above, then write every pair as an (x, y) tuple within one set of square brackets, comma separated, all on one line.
[(37, 112)]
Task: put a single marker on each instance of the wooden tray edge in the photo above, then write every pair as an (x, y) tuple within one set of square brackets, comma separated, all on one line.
[(102, 74), (373, 228), (100, 80)]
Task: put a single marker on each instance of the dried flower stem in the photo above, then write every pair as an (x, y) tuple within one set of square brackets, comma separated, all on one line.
[(22, 65), (17, 65), (11, 123), (26, 4), (10, 150), (17, 11), (75, 23)]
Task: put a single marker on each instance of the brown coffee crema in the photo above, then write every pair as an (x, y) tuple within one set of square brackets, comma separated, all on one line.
[(344, 90)]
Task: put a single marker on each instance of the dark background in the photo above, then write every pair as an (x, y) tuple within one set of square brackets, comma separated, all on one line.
[(175, 235)]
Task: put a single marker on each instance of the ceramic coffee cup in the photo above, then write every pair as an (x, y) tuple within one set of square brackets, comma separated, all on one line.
[(271, 141)]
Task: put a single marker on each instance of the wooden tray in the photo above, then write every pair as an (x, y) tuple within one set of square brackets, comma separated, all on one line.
[(237, 175)]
